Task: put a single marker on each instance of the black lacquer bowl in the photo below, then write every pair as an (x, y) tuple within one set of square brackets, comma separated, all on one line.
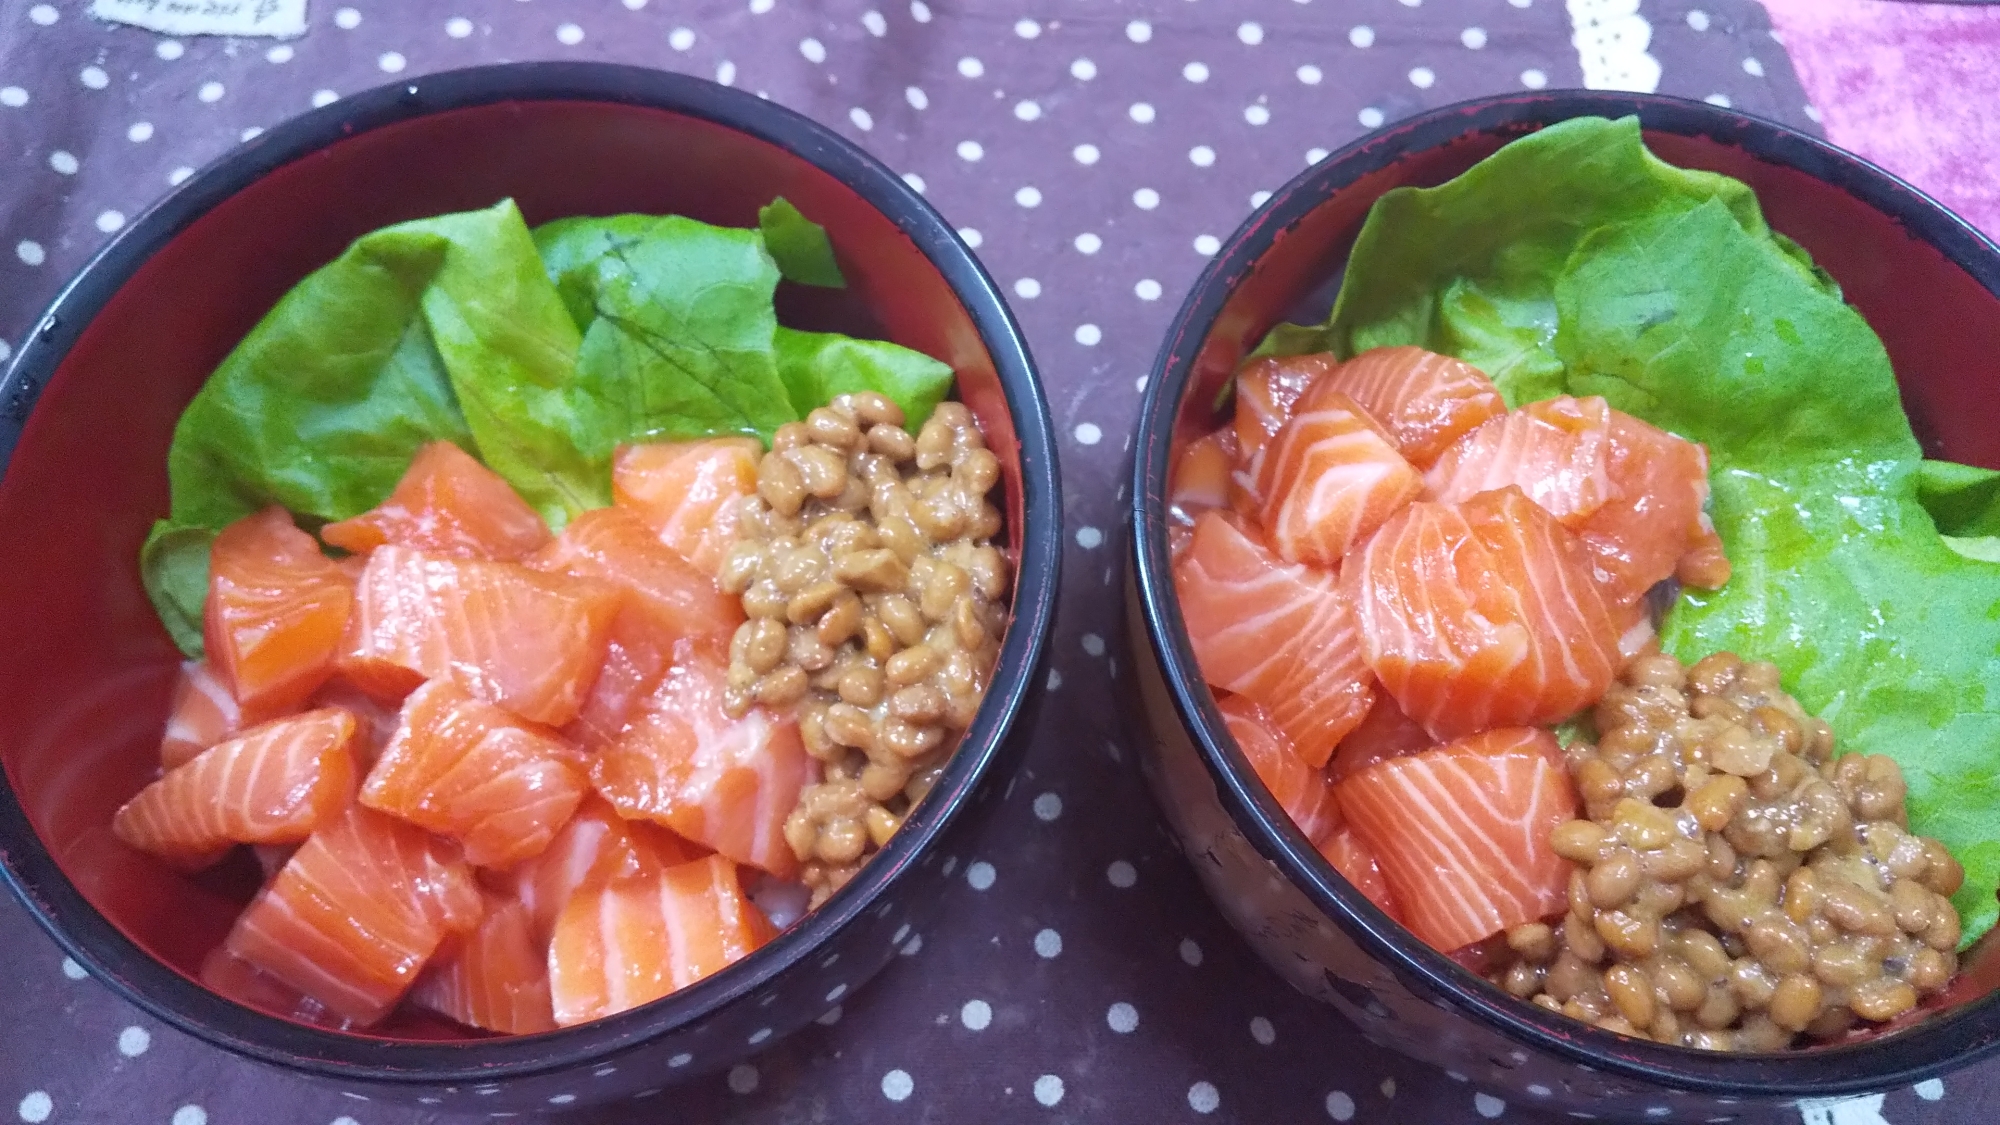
[(88, 408), (1926, 281)]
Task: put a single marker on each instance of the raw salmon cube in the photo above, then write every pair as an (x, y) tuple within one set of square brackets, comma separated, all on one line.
[(446, 504), (273, 784), (1461, 833), (495, 978), (357, 912), (1428, 401), (275, 613), (1558, 451), (528, 641), (230, 976), (202, 714), (374, 721), (1482, 614), (689, 492), (1302, 791), (1385, 732), (1281, 634), (1266, 391), (630, 942), (723, 783), (1329, 477), (1653, 527), (614, 545), (1356, 863), (635, 659), (595, 846), (464, 768)]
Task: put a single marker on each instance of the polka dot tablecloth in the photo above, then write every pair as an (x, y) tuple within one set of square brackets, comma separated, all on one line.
[(1094, 152)]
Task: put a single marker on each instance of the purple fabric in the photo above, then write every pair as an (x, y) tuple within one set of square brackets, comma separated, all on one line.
[(1079, 974)]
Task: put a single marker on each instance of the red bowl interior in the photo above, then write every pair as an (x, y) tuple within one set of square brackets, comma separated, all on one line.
[(85, 699)]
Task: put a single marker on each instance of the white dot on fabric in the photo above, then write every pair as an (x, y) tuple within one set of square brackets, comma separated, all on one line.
[(1028, 288), (324, 98), (861, 119), (920, 11), (63, 162), (975, 1015), (1262, 1031), (896, 1085), (1203, 1097), (916, 97), (1088, 335), (1539, 1090), (37, 1106), (979, 876), (1534, 79), (1257, 115), (1195, 72), (179, 174), (1488, 1105), (1087, 433), (190, 1115), (913, 946), (569, 35), (1413, 3), (1121, 874), (971, 236), (1363, 36), (1138, 31), (970, 150), (1310, 74), (94, 77), (1422, 77), (1697, 19), (743, 1078), (13, 97), (392, 62), (169, 49), (72, 970), (1088, 243), (1206, 245), (1028, 111), (876, 25), (1522, 3), (1085, 154), (915, 181), (1048, 806), (1190, 952), (281, 54), (1027, 29), (1048, 944), (1141, 112), (133, 1041), (1388, 1086), (1340, 1106), (1718, 100), (458, 27), (1250, 33), (971, 67), (109, 221), (1753, 68), (1123, 1018), (252, 133), (1028, 197), (1930, 1089), (813, 50), (1048, 1089), (1371, 118), (347, 19), (725, 72), (210, 92), (681, 38), (1146, 198), (1473, 37), (1083, 70), (680, 1060), (1259, 198), (1201, 156), (634, 5), (44, 14)]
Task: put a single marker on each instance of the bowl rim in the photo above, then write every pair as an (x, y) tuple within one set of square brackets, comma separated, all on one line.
[(136, 976), (1944, 1041)]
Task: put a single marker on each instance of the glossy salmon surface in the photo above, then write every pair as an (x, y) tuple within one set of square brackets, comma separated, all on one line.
[(688, 492), (616, 546), (596, 845), (1428, 401), (495, 978), (1303, 792), (275, 613), (1558, 451), (1329, 477), (203, 713), (446, 504)]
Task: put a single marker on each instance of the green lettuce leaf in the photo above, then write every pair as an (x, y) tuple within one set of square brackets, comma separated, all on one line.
[(1574, 262), (816, 366), (799, 246)]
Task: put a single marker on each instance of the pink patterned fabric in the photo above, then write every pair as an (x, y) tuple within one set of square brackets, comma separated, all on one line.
[(1907, 86)]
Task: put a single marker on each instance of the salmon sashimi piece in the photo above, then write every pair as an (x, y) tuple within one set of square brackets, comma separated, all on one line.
[(1330, 476), (446, 504), (689, 492), (1556, 450), (275, 613), (273, 784), (635, 660), (1281, 634), (1428, 401), (357, 912), (1267, 389), (374, 722), (723, 783), (467, 769), (234, 978), (1202, 478), (528, 641), (630, 942), (594, 846), (1356, 863), (203, 713), (1385, 732), (615, 545), (1655, 519), (495, 978), (1462, 833), (1302, 791), (1482, 614)]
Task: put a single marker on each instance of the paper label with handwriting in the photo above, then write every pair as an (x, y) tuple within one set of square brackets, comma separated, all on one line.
[(275, 18)]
